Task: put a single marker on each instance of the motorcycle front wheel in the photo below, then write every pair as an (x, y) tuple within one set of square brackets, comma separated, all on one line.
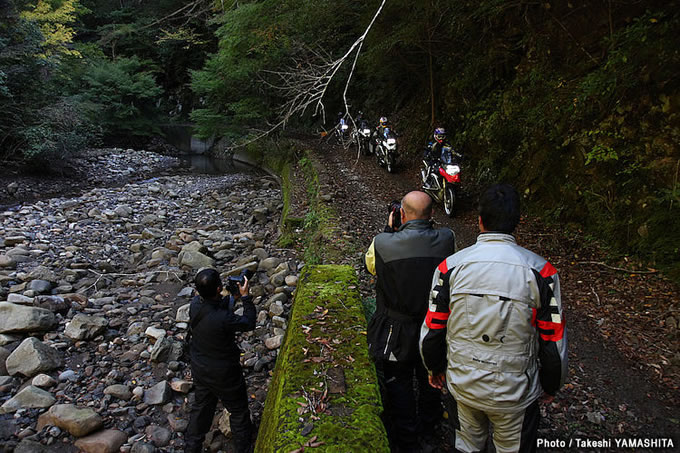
[(390, 164), (449, 201)]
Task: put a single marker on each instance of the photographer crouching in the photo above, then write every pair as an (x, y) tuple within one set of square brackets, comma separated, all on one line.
[(215, 364)]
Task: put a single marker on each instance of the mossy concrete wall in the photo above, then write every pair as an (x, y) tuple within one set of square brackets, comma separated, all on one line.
[(324, 393)]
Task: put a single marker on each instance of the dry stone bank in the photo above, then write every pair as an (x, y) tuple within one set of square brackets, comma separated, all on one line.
[(93, 308)]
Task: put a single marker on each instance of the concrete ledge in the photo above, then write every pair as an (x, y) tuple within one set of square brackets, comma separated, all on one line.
[(324, 393)]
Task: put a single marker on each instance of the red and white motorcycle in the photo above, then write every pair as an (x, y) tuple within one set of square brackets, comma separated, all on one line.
[(441, 179)]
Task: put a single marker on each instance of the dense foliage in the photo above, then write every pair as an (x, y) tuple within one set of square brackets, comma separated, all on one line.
[(574, 102), (75, 71)]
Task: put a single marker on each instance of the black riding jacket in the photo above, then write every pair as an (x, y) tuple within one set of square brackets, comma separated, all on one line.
[(213, 327), (404, 263)]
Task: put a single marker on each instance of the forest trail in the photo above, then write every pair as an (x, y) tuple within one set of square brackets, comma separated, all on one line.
[(623, 354)]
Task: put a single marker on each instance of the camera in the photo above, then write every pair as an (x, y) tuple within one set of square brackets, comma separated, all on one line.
[(395, 209), (233, 281)]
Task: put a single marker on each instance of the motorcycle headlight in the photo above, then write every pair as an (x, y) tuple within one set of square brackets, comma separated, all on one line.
[(344, 127), (366, 132), (391, 141), (452, 169)]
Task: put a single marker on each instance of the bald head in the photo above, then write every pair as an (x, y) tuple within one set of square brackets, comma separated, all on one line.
[(416, 205)]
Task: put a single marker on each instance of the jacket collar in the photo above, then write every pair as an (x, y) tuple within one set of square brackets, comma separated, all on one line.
[(496, 237), (418, 224)]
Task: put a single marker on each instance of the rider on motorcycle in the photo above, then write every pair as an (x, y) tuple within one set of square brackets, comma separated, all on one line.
[(379, 132), (433, 149), (434, 152)]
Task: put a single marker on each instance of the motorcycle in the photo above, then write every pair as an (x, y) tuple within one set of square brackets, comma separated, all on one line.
[(361, 135), (342, 132), (386, 150), (441, 179)]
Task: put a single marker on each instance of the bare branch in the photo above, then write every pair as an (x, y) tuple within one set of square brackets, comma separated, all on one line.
[(305, 82)]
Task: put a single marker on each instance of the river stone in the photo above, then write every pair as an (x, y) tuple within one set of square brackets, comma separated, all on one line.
[(29, 398), (39, 286), (194, 246), (183, 313), (31, 446), (77, 421), (7, 339), (269, 264), (291, 280), (224, 423), (84, 327), (20, 299), (55, 304), (44, 381), (123, 211), (279, 297), (136, 328), (178, 424), (162, 254), (120, 391), (143, 447), (4, 353), (181, 386), (7, 262), (279, 279), (32, 357), (273, 342), (260, 253), (158, 394), (14, 240), (158, 435), (165, 350), (276, 309), (154, 332), (42, 273), (195, 260), (19, 319), (106, 441)]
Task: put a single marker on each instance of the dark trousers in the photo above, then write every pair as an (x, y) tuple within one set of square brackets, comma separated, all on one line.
[(408, 415), (229, 386)]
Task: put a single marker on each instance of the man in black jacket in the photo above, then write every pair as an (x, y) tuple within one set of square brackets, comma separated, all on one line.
[(215, 364), (404, 262)]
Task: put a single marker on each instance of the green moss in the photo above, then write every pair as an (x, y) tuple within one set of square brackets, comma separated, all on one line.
[(326, 332)]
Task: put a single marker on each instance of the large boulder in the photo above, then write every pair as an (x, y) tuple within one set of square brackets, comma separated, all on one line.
[(77, 421), (31, 357), (84, 327), (29, 398), (19, 319)]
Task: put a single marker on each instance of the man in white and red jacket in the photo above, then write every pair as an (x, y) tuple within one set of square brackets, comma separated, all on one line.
[(494, 332)]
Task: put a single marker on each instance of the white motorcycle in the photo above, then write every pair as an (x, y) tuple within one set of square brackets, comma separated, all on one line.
[(386, 150)]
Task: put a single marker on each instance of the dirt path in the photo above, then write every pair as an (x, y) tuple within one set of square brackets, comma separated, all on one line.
[(623, 343)]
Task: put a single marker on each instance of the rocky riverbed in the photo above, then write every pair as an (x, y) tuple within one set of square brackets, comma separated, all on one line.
[(93, 308)]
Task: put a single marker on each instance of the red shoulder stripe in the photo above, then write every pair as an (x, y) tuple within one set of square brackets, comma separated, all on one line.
[(556, 327), (548, 270), (441, 317), (443, 268)]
